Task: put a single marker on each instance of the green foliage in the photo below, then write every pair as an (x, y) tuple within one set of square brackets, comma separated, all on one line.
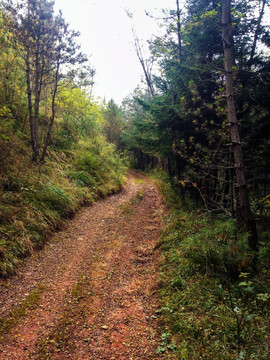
[(79, 114), (46, 44), (213, 247), (213, 305), (113, 123), (54, 198), (166, 344), (171, 197), (86, 161), (82, 178)]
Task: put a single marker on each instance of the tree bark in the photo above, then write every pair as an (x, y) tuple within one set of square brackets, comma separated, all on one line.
[(244, 205), (37, 93), (48, 134), (33, 129), (29, 97), (169, 167)]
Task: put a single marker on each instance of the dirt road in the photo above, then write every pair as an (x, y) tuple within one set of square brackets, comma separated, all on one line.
[(91, 292)]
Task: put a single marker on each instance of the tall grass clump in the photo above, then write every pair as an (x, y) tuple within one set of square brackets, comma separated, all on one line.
[(214, 305)]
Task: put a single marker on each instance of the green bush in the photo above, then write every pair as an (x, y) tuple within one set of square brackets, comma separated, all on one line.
[(214, 248), (86, 162)]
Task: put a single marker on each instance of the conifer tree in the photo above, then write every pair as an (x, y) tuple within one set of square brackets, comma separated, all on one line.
[(230, 66)]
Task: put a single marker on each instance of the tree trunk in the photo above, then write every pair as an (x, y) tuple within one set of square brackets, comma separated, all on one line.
[(37, 93), (48, 134), (169, 168), (34, 139), (29, 97), (244, 206)]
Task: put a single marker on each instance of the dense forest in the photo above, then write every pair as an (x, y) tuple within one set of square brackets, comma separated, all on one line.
[(200, 127)]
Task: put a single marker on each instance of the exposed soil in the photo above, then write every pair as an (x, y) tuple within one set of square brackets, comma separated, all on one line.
[(91, 292)]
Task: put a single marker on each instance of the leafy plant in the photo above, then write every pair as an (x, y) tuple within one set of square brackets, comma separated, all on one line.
[(167, 344)]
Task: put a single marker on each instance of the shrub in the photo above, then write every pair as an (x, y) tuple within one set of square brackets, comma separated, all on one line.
[(214, 248)]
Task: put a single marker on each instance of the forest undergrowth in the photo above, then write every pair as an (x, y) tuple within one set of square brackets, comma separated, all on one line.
[(213, 304)]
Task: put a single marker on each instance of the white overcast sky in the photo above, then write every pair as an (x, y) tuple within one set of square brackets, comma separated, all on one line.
[(106, 37)]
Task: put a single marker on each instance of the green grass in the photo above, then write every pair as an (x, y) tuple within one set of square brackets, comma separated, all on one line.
[(213, 304)]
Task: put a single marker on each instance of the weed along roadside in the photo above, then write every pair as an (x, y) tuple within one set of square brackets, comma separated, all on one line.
[(213, 304), (91, 293)]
